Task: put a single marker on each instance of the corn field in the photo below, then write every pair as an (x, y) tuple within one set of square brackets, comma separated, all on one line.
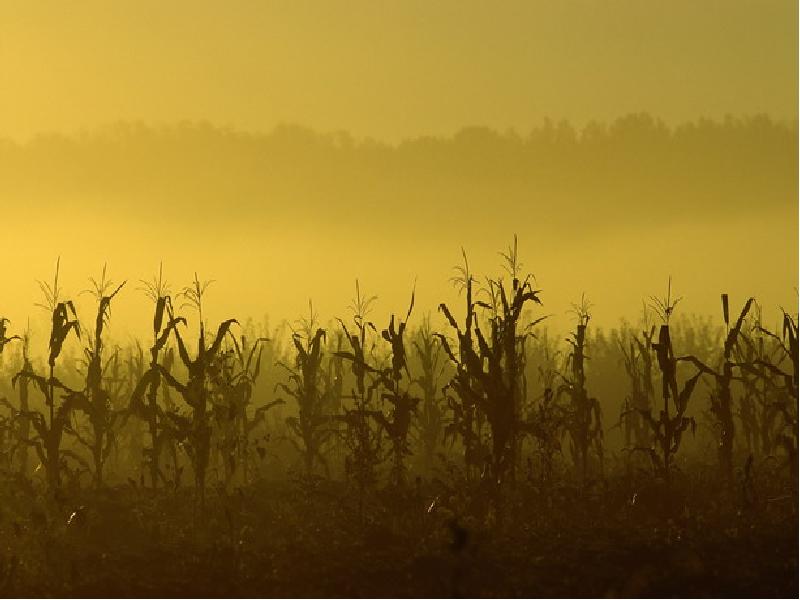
[(320, 457)]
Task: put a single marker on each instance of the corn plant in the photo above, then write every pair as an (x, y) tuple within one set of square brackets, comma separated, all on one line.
[(782, 383), (721, 398), (133, 433), (4, 337), (233, 375), (333, 395), (94, 399), (489, 374), (547, 418), (583, 414), (224, 419), (638, 362), (23, 426), (463, 403), (396, 381), (9, 428), (789, 406), (246, 379), (158, 292), (50, 427), (169, 435), (195, 430), (311, 426), (507, 386), (757, 410), (546, 424), (668, 428), (364, 442), (430, 421)]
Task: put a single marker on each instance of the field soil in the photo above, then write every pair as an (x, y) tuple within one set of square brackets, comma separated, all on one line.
[(321, 538)]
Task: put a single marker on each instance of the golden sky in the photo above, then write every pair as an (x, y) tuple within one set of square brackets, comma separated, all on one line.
[(391, 69), (279, 218)]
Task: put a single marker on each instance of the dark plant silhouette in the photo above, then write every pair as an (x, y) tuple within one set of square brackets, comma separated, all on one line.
[(312, 426), (50, 427)]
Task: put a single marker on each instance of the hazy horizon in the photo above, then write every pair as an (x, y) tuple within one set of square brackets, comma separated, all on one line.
[(709, 203), (285, 149), (391, 70)]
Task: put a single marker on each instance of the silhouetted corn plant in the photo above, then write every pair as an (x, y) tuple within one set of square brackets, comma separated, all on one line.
[(465, 422), (757, 412), (782, 383), (9, 425), (547, 418), (721, 398), (132, 434), (430, 421), (240, 385), (638, 361), (311, 426), (94, 399), (584, 422), (158, 292), (363, 441), (169, 435), (23, 426), (488, 375), (668, 428), (195, 430), (546, 422), (4, 337), (51, 427), (396, 381), (333, 386), (789, 407), (224, 400)]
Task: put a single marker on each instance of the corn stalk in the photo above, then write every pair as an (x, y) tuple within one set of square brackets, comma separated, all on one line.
[(488, 373), (312, 424), (195, 430), (721, 398), (583, 414), (50, 427), (430, 421)]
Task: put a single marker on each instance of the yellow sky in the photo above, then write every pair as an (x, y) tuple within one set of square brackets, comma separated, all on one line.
[(391, 69), (248, 215)]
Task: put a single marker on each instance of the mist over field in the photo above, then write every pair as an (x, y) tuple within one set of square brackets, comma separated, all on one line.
[(612, 210), (261, 145), (304, 298)]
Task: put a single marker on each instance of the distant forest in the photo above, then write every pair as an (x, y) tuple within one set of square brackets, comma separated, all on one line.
[(633, 171)]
